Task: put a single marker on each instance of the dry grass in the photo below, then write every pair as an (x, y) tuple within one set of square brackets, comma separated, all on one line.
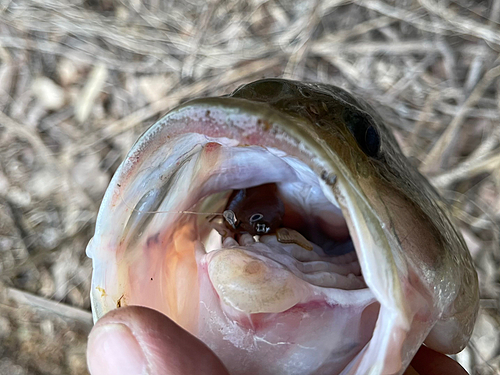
[(81, 79)]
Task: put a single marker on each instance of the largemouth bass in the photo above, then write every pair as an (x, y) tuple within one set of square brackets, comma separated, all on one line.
[(282, 226)]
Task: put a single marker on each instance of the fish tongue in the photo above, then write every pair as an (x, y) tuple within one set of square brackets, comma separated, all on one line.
[(252, 283)]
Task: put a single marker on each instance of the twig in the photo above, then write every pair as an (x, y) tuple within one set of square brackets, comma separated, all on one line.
[(410, 17), (301, 49), (164, 104), (53, 307), (409, 76), (467, 169), (432, 160), (69, 186), (462, 24), (423, 118)]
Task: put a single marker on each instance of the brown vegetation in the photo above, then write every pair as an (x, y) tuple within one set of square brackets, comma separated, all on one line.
[(81, 79)]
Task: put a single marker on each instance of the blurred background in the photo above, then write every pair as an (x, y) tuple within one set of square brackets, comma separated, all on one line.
[(80, 80)]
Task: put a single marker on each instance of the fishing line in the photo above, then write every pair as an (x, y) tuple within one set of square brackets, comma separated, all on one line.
[(167, 212)]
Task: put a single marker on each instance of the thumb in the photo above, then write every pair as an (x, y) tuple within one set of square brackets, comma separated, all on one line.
[(136, 340), (430, 362)]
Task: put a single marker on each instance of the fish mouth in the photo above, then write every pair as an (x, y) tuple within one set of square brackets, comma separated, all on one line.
[(159, 245)]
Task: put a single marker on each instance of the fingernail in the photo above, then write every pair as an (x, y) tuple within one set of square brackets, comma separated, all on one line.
[(113, 349)]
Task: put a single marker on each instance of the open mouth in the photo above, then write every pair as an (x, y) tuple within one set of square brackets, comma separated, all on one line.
[(279, 276), (250, 237), (278, 242), (285, 219), (283, 295)]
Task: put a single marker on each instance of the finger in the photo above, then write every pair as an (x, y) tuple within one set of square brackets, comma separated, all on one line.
[(430, 362), (410, 371), (137, 340)]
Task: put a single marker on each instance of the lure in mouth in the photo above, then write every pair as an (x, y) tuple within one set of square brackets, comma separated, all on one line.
[(282, 226)]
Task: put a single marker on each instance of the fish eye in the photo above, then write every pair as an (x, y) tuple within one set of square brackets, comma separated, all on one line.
[(256, 217), (364, 132), (372, 141)]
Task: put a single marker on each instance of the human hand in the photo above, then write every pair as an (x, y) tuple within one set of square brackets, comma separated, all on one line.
[(429, 362), (136, 340)]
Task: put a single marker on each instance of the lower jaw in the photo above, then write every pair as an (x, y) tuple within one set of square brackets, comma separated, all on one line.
[(319, 336)]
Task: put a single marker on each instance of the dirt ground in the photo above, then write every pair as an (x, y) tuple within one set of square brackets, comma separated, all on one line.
[(80, 80)]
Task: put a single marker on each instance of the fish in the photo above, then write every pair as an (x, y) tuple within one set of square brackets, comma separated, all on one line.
[(370, 265)]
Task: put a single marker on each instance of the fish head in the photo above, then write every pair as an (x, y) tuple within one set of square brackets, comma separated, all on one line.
[(388, 269)]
